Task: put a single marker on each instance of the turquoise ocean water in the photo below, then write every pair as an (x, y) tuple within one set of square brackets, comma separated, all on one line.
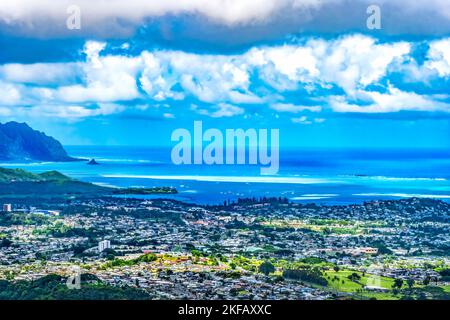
[(320, 176)]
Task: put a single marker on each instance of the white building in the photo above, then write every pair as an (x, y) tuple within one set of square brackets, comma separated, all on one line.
[(44, 212), (103, 245), (7, 207)]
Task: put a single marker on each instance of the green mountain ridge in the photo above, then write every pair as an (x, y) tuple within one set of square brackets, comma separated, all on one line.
[(20, 142), (20, 175), (19, 182)]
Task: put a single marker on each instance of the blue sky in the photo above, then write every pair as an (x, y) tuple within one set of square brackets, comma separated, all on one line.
[(135, 72)]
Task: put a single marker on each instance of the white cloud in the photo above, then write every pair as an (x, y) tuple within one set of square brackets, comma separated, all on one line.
[(394, 100), (438, 57), (92, 50), (228, 12), (350, 62), (41, 73), (9, 94), (296, 63), (306, 121), (49, 16), (68, 112), (291, 108), (258, 76), (5, 112), (220, 111), (210, 78), (436, 64), (301, 120), (74, 111), (168, 115), (358, 61), (105, 79)]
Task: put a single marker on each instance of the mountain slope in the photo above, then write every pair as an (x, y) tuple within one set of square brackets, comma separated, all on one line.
[(21, 182), (19, 142), (20, 175), (18, 182)]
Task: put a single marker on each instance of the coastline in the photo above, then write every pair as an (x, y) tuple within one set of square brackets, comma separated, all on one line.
[(317, 176)]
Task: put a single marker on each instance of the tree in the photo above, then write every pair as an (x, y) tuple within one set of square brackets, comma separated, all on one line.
[(398, 283), (336, 268), (5, 243), (196, 253), (308, 275), (266, 268), (354, 277), (410, 283), (426, 281)]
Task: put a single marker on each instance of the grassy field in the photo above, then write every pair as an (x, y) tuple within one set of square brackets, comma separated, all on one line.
[(339, 281)]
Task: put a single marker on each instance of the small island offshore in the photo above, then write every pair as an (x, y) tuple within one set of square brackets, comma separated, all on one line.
[(93, 162)]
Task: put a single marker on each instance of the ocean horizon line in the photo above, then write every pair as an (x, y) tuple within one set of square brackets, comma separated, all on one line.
[(237, 179)]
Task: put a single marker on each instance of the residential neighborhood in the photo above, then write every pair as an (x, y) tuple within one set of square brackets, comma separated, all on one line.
[(175, 250)]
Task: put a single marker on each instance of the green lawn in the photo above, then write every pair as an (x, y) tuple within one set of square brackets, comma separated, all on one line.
[(344, 284)]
